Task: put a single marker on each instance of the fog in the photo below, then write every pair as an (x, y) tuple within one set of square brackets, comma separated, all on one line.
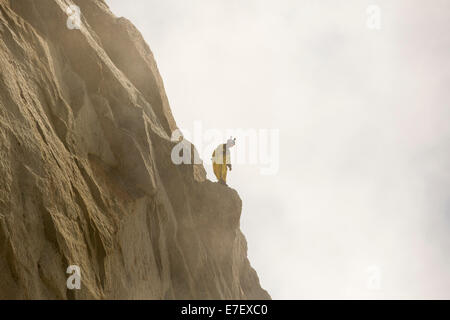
[(360, 205)]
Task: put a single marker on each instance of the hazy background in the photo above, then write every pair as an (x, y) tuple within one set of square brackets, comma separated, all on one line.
[(364, 178)]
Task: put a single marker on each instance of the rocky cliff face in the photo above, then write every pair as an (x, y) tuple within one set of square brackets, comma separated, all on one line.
[(86, 177)]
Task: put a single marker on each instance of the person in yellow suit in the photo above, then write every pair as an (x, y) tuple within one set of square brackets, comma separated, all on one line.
[(221, 160)]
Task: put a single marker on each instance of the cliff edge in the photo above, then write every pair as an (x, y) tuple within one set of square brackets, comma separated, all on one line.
[(86, 177)]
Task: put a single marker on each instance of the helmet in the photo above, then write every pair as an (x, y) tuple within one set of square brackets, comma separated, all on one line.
[(231, 142)]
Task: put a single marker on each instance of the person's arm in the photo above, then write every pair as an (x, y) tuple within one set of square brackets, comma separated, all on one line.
[(227, 157)]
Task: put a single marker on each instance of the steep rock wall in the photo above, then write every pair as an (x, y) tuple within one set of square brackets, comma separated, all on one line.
[(85, 171)]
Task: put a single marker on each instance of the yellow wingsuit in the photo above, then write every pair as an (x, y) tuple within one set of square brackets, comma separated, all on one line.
[(221, 158)]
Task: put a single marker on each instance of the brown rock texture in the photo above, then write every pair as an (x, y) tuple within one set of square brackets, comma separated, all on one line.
[(86, 176)]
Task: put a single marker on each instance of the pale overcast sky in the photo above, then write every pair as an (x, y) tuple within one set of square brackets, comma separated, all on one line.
[(360, 205)]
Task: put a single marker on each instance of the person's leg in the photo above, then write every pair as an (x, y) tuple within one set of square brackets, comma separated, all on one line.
[(217, 170), (224, 173)]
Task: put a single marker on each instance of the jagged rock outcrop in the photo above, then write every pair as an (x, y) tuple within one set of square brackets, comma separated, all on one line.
[(85, 172)]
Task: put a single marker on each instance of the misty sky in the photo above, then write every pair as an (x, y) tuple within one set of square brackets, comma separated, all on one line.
[(363, 114)]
